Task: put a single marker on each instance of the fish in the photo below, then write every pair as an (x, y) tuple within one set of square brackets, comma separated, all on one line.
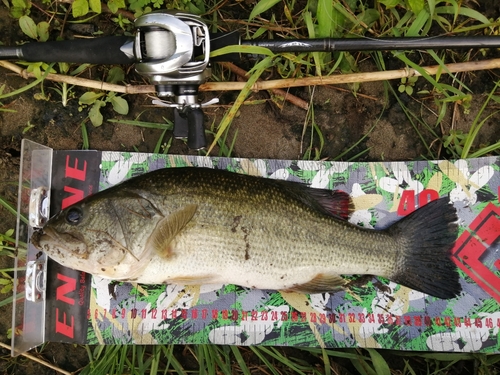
[(193, 226)]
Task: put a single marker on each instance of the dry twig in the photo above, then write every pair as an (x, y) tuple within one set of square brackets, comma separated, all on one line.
[(272, 84), (282, 93), (38, 360)]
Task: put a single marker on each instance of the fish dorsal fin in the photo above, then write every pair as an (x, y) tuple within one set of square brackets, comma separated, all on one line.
[(334, 203), (321, 283), (168, 227)]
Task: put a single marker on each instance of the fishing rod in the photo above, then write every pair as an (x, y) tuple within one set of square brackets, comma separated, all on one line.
[(172, 49)]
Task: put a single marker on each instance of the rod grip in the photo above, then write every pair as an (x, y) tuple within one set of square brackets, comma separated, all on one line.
[(104, 50)]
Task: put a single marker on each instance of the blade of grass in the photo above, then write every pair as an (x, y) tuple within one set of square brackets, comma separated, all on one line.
[(287, 362), (168, 351), (144, 124), (258, 353), (223, 358), (312, 34), (326, 361), (476, 125), (254, 50), (229, 116), (463, 11), (159, 142), (12, 210), (155, 360), (324, 17), (239, 358), (9, 300), (379, 363), (27, 87), (261, 7), (486, 150), (410, 116), (418, 23), (362, 366), (85, 136)]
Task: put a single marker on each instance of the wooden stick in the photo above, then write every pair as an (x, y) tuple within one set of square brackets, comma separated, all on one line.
[(41, 361), (273, 84), (77, 81), (354, 77), (301, 103)]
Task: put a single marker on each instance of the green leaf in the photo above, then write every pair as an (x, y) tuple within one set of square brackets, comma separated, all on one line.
[(23, 4), (6, 289), (28, 27), (35, 69), (261, 7), (80, 69), (89, 97), (115, 75), (325, 18), (19, 8), (120, 105), (389, 3), (95, 5), (16, 12), (63, 67), (95, 115), (369, 16), (114, 5), (80, 8), (416, 5), (43, 31)]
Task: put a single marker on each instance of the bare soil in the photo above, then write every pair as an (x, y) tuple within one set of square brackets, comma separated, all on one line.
[(263, 131)]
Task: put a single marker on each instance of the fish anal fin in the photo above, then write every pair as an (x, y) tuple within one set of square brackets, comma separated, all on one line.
[(321, 283), (168, 227)]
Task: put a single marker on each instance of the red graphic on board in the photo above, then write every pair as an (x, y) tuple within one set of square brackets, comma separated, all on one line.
[(476, 250)]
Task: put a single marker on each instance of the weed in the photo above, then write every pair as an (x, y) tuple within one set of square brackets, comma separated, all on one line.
[(476, 126), (407, 85), (98, 100)]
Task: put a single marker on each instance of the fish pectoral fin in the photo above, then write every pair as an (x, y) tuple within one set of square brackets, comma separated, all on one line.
[(321, 283), (168, 227)]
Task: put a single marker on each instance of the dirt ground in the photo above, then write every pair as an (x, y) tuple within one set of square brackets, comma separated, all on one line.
[(263, 131)]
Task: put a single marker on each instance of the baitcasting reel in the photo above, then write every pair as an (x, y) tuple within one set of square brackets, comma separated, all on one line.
[(172, 50)]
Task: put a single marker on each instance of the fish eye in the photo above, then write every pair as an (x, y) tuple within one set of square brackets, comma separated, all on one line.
[(74, 216)]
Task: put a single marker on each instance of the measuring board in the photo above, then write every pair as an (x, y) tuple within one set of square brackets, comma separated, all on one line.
[(377, 313)]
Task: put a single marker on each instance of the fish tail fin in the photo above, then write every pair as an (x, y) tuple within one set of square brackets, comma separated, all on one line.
[(425, 238)]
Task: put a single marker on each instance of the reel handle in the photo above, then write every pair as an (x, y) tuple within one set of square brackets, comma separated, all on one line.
[(196, 139), (188, 123)]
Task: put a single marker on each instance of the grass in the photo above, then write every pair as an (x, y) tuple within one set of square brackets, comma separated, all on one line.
[(318, 19)]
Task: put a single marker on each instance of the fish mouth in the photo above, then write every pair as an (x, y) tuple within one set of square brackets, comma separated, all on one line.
[(51, 241), (36, 238)]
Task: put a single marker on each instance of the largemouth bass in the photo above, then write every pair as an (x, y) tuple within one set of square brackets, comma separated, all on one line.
[(201, 226)]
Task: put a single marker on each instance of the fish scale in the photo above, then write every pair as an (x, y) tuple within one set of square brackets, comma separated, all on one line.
[(198, 225)]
